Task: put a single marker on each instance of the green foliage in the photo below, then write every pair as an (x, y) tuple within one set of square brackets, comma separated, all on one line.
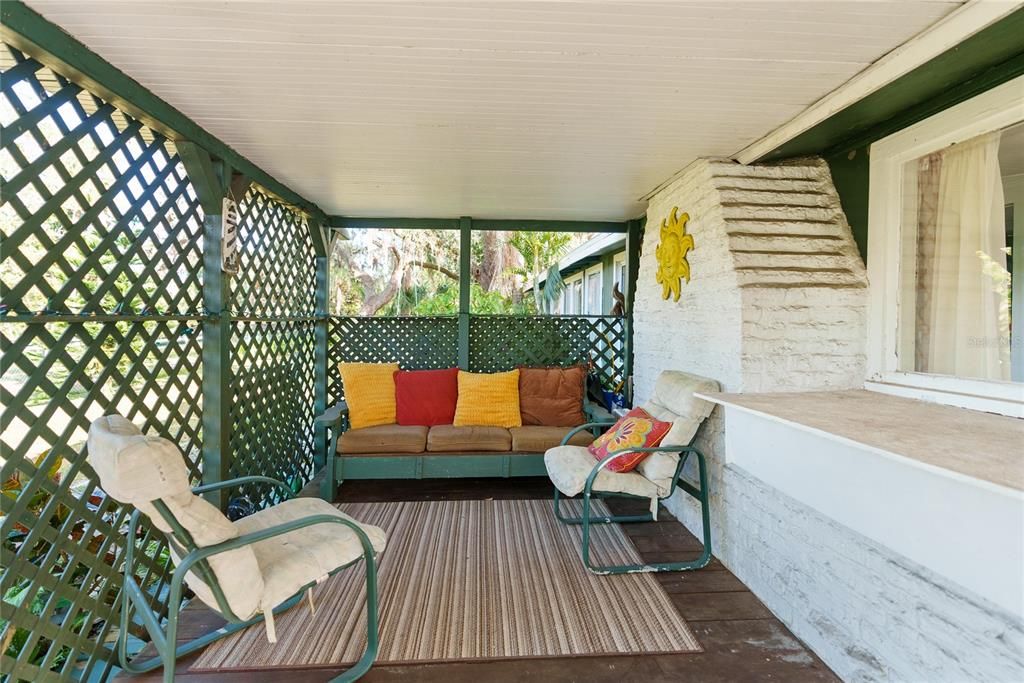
[(429, 262), (542, 251), (446, 302)]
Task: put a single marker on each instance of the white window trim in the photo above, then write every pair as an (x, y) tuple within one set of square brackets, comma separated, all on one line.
[(593, 270), (569, 294), (618, 263), (993, 110)]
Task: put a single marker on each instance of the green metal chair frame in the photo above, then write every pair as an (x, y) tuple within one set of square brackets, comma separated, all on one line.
[(164, 639), (700, 492)]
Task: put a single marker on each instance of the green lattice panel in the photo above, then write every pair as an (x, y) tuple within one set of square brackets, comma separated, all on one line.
[(272, 346), (101, 271), (415, 343), (498, 343), (272, 402), (277, 264)]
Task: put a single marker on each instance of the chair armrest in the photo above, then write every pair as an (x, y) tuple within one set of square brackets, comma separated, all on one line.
[(239, 481), (333, 416), (200, 554), (270, 532), (597, 413), (589, 425)]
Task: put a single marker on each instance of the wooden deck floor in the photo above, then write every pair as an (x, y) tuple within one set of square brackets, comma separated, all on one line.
[(742, 641)]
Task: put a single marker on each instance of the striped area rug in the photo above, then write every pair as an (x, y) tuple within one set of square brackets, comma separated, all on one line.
[(480, 579)]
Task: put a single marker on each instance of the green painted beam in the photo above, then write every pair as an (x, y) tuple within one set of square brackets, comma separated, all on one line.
[(531, 224), (549, 226), (320, 339), (207, 182), (216, 353), (28, 31), (316, 236), (634, 247), (357, 223), (465, 282), (992, 56)]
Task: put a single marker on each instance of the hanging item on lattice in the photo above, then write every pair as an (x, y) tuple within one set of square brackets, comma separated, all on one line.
[(229, 236)]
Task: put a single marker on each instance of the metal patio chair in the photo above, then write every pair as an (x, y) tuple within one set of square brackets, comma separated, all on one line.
[(246, 570), (573, 470)]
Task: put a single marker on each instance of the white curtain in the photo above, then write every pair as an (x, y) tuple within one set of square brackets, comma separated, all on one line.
[(962, 312)]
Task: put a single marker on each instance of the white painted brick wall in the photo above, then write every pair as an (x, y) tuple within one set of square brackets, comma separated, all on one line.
[(759, 316)]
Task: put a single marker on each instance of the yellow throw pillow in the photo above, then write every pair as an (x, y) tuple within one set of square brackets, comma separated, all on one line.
[(488, 400), (369, 392)]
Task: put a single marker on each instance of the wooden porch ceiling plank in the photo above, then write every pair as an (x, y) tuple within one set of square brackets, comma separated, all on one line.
[(28, 31)]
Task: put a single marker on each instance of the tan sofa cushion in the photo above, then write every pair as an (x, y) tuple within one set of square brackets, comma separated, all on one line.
[(384, 439), (536, 439), (449, 438)]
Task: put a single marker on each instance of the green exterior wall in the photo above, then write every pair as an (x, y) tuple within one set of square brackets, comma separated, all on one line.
[(850, 174)]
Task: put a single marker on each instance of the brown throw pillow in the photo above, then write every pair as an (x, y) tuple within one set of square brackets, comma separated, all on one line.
[(552, 397)]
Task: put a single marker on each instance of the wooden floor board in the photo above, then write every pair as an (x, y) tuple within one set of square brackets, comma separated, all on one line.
[(741, 638)]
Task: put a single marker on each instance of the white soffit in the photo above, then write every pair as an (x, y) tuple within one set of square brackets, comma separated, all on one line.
[(560, 110)]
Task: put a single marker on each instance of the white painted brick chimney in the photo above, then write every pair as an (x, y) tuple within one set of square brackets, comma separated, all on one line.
[(777, 302)]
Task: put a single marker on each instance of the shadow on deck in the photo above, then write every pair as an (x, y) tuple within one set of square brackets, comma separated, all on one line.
[(742, 640)]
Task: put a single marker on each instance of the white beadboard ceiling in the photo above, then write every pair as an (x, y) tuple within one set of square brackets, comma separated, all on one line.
[(561, 110)]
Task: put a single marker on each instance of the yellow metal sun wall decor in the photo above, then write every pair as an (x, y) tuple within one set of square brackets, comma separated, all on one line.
[(671, 254)]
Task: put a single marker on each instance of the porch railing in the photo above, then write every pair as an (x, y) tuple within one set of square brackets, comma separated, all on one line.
[(493, 343)]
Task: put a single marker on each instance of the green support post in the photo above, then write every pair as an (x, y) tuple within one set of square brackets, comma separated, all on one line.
[(634, 241), (465, 257), (321, 242), (211, 180)]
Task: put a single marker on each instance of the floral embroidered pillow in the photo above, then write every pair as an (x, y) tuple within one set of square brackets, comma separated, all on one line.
[(635, 429)]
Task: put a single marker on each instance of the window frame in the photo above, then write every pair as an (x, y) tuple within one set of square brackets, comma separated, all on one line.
[(619, 271), (596, 270), (993, 110), (570, 294)]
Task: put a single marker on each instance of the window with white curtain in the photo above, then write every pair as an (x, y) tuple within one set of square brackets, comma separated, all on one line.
[(946, 290), (956, 251)]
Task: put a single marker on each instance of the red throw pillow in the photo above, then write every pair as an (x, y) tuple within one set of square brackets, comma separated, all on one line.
[(635, 429), (426, 397)]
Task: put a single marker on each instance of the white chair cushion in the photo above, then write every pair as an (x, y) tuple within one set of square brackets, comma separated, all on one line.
[(292, 560), (237, 571), (569, 466), (138, 469), (132, 467)]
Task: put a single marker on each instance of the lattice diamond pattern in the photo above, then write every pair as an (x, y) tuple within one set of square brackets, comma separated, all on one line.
[(415, 343), (97, 217), (98, 213), (277, 264), (272, 358), (272, 402), (498, 343)]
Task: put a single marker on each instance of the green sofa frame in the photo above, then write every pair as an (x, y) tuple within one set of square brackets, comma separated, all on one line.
[(164, 637), (332, 423)]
